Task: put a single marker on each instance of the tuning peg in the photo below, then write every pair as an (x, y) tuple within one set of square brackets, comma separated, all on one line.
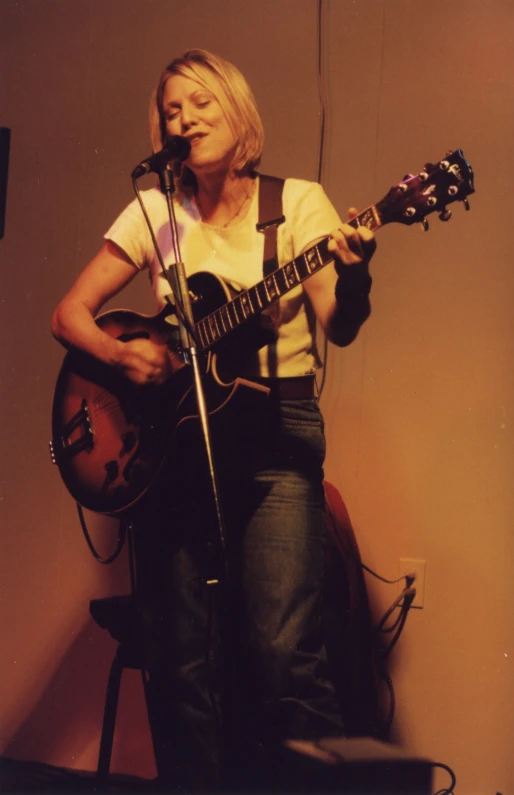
[(424, 224), (466, 204), (445, 214)]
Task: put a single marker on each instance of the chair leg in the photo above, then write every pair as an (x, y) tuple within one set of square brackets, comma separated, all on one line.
[(109, 721)]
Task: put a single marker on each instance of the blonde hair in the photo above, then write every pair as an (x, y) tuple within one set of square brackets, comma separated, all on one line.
[(234, 95)]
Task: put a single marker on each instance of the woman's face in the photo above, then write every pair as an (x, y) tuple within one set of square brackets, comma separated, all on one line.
[(191, 110)]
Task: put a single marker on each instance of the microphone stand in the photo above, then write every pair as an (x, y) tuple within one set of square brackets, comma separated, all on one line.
[(220, 603), (178, 281), (176, 277)]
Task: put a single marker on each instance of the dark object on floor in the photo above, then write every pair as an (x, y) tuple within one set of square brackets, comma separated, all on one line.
[(356, 766), (32, 777)]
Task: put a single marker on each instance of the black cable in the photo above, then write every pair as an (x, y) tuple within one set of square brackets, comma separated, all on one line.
[(122, 534), (449, 790), (321, 156), (383, 579), (321, 92), (408, 594), (403, 618)]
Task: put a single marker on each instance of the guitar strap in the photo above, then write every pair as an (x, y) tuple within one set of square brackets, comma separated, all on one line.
[(270, 217)]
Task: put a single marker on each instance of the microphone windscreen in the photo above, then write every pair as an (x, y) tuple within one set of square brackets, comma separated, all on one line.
[(177, 147)]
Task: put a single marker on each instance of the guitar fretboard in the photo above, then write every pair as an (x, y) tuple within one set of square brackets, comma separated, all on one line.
[(248, 303)]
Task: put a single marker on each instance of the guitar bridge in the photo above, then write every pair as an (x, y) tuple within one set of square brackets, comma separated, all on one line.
[(79, 427)]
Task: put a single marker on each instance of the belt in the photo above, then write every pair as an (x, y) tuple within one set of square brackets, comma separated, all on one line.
[(302, 387)]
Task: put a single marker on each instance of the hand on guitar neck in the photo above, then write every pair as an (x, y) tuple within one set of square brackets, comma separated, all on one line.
[(353, 246)]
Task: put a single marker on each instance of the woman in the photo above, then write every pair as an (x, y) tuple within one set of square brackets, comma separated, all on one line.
[(270, 469)]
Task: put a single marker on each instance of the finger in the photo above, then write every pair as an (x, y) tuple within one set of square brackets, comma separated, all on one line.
[(352, 212), (368, 242), (339, 244), (352, 239)]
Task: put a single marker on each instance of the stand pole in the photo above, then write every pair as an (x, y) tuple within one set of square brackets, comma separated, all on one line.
[(178, 283)]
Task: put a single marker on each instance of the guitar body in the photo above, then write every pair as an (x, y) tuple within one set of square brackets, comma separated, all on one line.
[(110, 437)]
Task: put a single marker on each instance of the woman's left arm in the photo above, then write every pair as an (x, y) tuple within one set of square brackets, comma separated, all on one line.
[(339, 293)]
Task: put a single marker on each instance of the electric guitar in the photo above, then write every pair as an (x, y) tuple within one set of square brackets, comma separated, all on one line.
[(111, 437)]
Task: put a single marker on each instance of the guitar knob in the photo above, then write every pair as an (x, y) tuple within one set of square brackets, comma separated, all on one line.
[(453, 190), (410, 211), (445, 214), (444, 165), (423, 176), (466, 204), (424, 224)]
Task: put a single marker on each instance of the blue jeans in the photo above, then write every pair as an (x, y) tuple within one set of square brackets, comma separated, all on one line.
[(246, 664)]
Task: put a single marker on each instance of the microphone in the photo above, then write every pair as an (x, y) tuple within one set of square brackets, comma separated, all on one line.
[(175, 148)]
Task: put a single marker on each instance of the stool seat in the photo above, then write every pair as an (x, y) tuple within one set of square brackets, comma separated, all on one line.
[(120, 616)]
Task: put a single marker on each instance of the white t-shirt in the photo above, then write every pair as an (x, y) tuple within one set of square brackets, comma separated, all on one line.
[(236, 254)]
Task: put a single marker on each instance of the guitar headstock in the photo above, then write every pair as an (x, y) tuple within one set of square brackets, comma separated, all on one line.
[(438, 185)]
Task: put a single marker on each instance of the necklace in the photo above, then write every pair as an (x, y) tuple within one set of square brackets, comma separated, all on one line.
[(238, 211)]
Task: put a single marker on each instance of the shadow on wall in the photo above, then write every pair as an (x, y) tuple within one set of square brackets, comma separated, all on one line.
[(63, 729)]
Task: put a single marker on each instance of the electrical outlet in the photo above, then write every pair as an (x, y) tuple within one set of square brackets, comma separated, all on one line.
[(416, 569)]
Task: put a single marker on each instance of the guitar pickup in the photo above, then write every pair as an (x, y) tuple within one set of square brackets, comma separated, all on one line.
[(77, 436)]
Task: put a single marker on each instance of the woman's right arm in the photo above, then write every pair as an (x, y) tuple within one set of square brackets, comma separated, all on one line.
[(73, 324)]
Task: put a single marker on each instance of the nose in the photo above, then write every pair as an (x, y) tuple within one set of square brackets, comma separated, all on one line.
[(188, 117)]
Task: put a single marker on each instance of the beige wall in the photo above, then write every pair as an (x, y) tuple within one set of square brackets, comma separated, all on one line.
[(418, 409)]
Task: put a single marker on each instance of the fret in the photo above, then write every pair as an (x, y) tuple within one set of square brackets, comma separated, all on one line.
[(212, 327), (215, 316), (312, 259), (238, 309), (237, 319), (204, 333), (199, 334), (244, 301), (225, 318), (283, 284), (376, 217), (291, 274), (369, 218), (261, 291), (268, 296), (220, 314), (250, 294), (255, 290), (271, 287)]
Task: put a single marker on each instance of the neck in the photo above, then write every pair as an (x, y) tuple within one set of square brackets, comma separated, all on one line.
[(221, 196)]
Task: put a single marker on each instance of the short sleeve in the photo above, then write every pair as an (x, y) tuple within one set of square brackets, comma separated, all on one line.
[(310, 215), (130, 233)]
